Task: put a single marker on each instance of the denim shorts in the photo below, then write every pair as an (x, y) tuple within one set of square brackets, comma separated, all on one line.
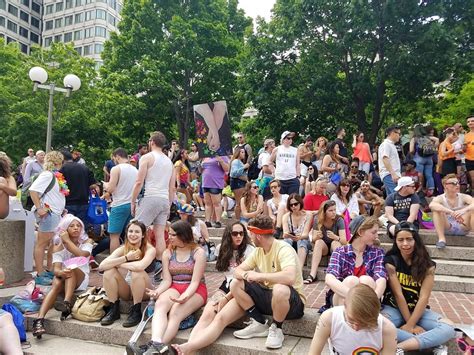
[(49, 223), (302, 243), (212, 190), (119, 218)]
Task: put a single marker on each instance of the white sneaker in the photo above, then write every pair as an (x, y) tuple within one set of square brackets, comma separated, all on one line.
[(440, 350), (399, 352), (275, 337), (254, 329)]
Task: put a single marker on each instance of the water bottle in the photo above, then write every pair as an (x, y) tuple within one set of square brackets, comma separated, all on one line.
[(150, 308)]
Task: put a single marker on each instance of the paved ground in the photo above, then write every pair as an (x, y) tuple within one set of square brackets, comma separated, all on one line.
[(456, 306)]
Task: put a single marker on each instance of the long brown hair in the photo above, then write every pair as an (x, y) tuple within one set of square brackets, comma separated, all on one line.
[(184, 233), (322, 213), (365, 305), (143, 244), (246, 195), (5, 166), (226, 250)]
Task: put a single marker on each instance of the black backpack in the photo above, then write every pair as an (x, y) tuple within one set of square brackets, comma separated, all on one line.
[(254, 170)]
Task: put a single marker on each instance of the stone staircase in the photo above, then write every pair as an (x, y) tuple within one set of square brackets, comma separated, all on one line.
[(455, 273)]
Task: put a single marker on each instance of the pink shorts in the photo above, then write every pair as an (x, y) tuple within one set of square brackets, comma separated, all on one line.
[(201, 290)]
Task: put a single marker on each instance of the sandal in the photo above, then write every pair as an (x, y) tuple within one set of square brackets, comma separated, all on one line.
[(310, 279), (176, 350), (65, 307), (38, 328)]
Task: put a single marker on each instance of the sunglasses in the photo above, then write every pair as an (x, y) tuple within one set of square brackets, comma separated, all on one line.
[(237, 233), (254, 187), (354, 167), (294, 204), (290, 138), (454, 183), (463, 345)]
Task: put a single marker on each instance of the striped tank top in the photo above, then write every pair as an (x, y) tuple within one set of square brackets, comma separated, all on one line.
[(182, 271)]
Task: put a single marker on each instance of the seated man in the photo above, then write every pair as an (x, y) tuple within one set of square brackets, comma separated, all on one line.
[(453, 212), (355, 175), (268, 282), (369, 202), (402, 205)]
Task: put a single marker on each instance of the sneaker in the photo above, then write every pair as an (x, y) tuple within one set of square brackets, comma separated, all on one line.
[(254, 329), (92, 263), (156, 348), (275, 337), (441, 244), (440, 350), (208, 224), (217, 225), (157, 272), (399, 352)]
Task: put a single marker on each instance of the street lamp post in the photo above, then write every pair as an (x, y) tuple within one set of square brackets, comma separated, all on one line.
[(71, 83)]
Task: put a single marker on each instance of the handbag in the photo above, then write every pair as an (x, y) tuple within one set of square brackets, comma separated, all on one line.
[(97, 211), (89, 306)]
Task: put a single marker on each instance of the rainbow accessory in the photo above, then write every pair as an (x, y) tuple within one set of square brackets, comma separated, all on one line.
[(425, 220), (63, 188)]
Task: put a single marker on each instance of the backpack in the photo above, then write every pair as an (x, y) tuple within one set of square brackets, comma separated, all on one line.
[(254, 170), (426, 147), (18, 320), (89, 306), (25, 190)]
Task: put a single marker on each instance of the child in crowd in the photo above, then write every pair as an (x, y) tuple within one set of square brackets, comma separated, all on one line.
[(70, 241), (137, 257), (411, 278)]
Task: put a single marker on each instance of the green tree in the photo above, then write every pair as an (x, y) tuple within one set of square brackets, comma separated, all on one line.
[(174, 54)]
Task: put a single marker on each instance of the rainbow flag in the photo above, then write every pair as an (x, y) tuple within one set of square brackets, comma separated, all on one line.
[(426, 222)]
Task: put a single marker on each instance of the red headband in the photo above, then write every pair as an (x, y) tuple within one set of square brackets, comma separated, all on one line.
[(257, 230)]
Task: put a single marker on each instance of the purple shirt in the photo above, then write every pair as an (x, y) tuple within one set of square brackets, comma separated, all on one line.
[(343, 259), (212, 173)]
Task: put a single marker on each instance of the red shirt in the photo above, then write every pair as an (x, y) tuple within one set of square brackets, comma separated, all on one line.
[(312, 202)]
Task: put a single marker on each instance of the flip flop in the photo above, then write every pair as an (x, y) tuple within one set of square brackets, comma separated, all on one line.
[(310, 279), (176, 349)]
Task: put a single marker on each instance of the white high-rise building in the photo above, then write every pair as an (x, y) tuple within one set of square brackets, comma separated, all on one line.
[(86, 23), (20, 21)]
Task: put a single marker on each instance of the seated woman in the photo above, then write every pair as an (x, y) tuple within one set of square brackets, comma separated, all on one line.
[(411, 277), (251, 204), (70, 241), (356, 325), (345, 199), (328, 234), (276, 206), (9, 338), (182, 290), (7, 185), (357, 262), (137, 257), (200, 231), (294, 223), (234, 248)]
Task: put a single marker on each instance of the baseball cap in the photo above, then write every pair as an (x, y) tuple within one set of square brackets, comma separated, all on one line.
[(286, 134), (355, 224), (186, 209), (467, 329), (404, 181), (268, 141)]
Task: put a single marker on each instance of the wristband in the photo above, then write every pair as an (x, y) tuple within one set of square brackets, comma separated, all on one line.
[(126, 259), (225, 296)]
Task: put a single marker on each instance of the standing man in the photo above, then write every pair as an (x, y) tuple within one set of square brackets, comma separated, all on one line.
[(29, 158), (306, 152), (453, 212), (142, 150), (343, 153), (122, 180), (174, 149), (389, 162), (402, 205), (267, 169), (156, 171), (268, 282), (80, 180), (243, 145), (34, 167), (469, 151), (287, 161)]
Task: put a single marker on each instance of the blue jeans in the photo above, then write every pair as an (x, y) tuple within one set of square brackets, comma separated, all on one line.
[(436, 332), (289, 187), (389, 184), (424, 165)]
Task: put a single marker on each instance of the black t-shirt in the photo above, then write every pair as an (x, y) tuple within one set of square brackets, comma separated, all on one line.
[(342, 147), (78, 178), (401, 205), (410, 287)]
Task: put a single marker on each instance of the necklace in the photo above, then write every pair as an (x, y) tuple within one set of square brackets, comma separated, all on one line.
[(63, 188)]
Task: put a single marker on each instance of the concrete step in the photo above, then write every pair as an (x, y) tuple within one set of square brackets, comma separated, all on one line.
[(57, 345), (450, 252), (119, 336)]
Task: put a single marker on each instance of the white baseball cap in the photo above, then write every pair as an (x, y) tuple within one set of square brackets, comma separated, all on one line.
[(286, 134), (404, 181)]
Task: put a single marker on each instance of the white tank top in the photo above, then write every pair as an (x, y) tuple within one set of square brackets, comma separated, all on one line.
[(459, 203), (345, 340), (123, 192), (157, 180), (285, 163)]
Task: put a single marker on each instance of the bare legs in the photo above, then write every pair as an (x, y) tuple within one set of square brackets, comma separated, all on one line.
[(114, 242), (320, 249), (42, 242), (9, 338), (115, 285), (159, 231), (351, 281), (238, 196)]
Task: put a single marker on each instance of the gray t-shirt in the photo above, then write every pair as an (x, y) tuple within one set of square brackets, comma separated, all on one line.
[(335, 228)]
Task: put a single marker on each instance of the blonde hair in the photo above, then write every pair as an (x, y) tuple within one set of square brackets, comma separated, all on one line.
[(364, 305), (52, 159)]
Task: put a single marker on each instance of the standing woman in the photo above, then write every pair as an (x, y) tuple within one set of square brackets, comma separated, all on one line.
[(411, 278), (447, 153), (182, 169), (294, 223), (7, 185), (71, 241), (182, 291), (213, 172), (346, 200), (332, 166), (362, 151), (48, 193), (238, 177), (137, 257), (320, 149), (235, 247), (357, 262), (194, 161), (251, 203), (328, 234)]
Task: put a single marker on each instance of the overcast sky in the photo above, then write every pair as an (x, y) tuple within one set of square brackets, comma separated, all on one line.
[(254, 8)]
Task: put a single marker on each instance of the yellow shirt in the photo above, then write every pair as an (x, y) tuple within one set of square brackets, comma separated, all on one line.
[(280, 256)]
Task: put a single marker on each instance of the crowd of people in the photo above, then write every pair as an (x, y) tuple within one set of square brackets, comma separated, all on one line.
[(290, 202)]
